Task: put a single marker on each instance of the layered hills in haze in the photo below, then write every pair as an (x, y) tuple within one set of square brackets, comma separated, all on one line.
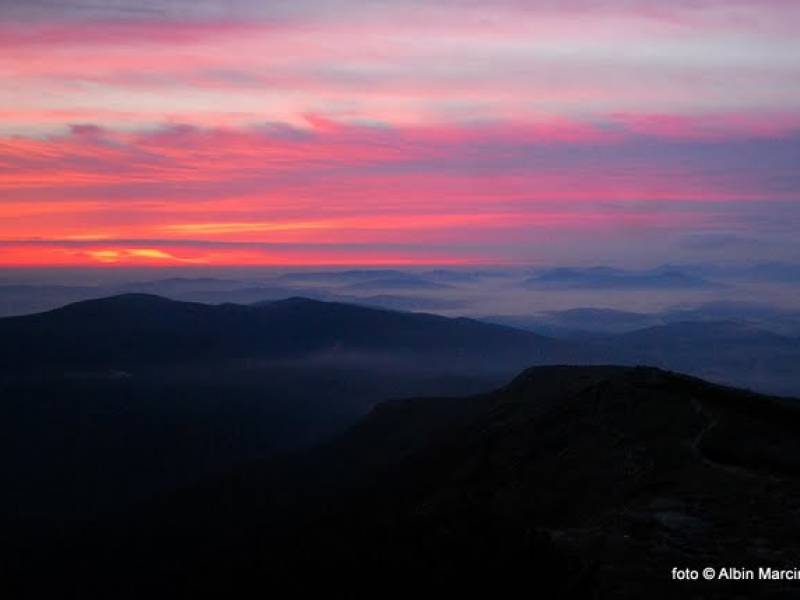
[(112, 400), (140, 329), (98, 391)]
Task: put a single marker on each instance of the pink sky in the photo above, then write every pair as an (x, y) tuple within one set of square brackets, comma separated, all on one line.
[(376, 132)]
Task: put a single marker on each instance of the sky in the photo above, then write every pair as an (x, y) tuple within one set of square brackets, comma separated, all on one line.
[(402, 132)]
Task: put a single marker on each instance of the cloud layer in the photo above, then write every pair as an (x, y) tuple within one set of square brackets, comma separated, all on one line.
[(396, 132)]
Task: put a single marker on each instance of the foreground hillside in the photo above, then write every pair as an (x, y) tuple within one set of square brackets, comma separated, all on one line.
[(568, 482)]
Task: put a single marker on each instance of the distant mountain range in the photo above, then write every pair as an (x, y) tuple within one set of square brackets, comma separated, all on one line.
[(730, 352), (131, 330), (135, 331), (579, 323), (569, 482), (469, 291), (759, 352), (587, 322), (609, 278)]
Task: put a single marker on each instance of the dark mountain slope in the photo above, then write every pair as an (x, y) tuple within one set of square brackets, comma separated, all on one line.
[(108, 401), (137, 329), (569, 482)]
